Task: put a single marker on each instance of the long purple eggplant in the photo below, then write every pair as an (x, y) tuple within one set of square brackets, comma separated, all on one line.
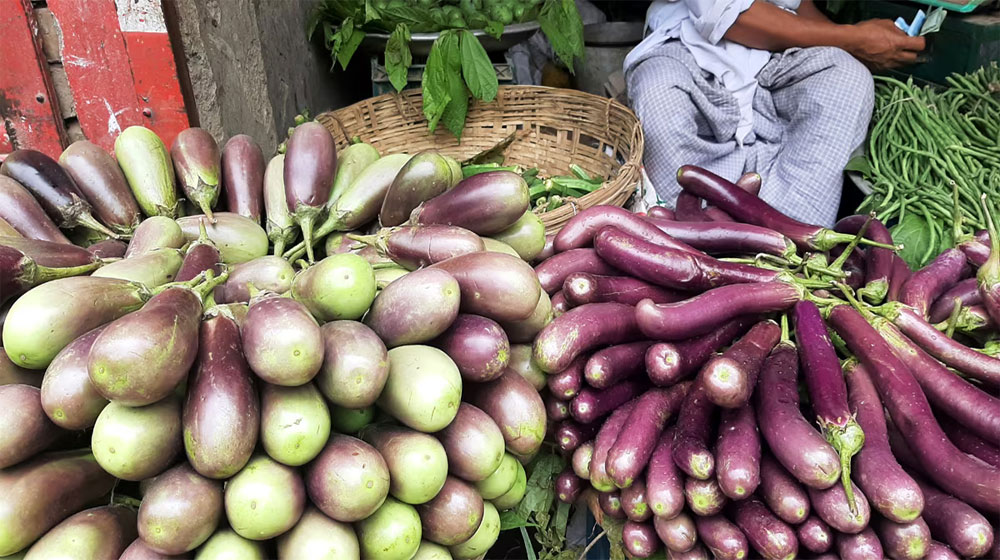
[(310, 164), (485, 203), (724, 539), (705, 312), (103, 184), (53, 188), (969, 442), (926, 284), (704, 497), (691, 434), (679, 534), (900, 274), (610, 365), (197, 161), (501, 287), (606, 436), (567, 384), (965, 291), (688, 208), (19, 209), (891, 491), (903, 541), (672, 268), (731, 377), (814, 535), (770, 536), (592, 404), (581, 287), (727, 238), (634, 501), (737, 453), (939, 551), (582, 329), (781, 492), (19, 272), (878, 260), (424, 177), (934, 342), (748, 208), (552, 273), (108, 249), (221, 411), (242, 165), (640, 539), (956, 523), (670, 362), (580, 230), (414, 247), (860, 546), (988, 276), (827, 390), (965, 477), (631, 451), (976, 409), (794, 441), (140, 358), (570, 434), (664, 481)]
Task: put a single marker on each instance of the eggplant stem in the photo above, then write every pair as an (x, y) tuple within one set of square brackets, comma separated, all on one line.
[(203, 232), (204, 202), (44, 274), (785, 332), (956, 312), (366, 239), (306, 223), (839, 263), (279, 247), (847, 440), (253, 290), (211, 282), (864, 310), (88, 221)]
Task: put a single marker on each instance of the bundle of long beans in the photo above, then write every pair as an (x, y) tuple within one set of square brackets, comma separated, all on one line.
[(932, 152)]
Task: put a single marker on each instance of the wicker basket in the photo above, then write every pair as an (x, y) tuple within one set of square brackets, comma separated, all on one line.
[(556, 127)]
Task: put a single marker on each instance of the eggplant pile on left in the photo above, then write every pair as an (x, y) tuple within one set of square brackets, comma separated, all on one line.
[(180, 376)]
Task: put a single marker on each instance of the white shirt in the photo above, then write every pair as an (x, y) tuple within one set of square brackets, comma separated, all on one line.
[(700, 26)]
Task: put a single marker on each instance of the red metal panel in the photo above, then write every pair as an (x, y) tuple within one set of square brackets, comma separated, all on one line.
[(98, 68), (156, 84), (28, 103)]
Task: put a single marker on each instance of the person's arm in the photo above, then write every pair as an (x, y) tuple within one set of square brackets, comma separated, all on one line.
[(807, 9), (878, 42)]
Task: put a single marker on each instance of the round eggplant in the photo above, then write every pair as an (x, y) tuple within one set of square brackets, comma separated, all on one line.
[(391, 533), (318, 537), (418, 464), (474, 444), (355, 364), (517, 409), (295, 423), (180, 510), (500, 481), (225, 544), (137, 443), (483, 539), (265, 499), (282, 341), (511, 498), (453, 516), (100, 533), (424, 388), (478, 346), (337, 287), (349, 479), (501, 287)]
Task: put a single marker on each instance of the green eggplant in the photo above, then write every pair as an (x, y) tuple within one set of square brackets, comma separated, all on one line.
[(100, 533), (136, 443), (146, 163), (280, 226), (155, 268), (294, 423), (318, 537), (337, 287), (225, 544), (265, 499), (154, 233), (197, 161), (239, 239), (351, 162)]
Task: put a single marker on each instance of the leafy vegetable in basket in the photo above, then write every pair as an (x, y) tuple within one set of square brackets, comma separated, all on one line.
[(458, 65), (932, 152)]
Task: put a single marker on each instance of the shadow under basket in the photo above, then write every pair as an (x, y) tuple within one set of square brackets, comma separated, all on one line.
[(554, 128)]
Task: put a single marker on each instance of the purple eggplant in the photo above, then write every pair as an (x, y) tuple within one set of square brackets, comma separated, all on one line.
[(669, 362), (938, 551), (731, 377), (567, 384), (704, 497), (485, 203), (634, 501), (201, 256), (355, 364), (570, 434), (592, 404), (611, 504), (814, 535), (672, 268), (19, 209), (965, 477), (965, 291), (859, 546), (610, 365), (478, 346), (414, 247), (310, 164), (557, 410), (605, 438), (516, 407), (268, 273), (724, 539), (833, 507), (102, 183), (68, 397), (221, 414), (140, 358), (794, 441), (108, 249), (415, 309), (27, 429), (424, 177), (568, 486), (678, 533), (782, 493), (704, 313), (891, 491), (969, 442), (581, 229), (19, 272), (581, 329), (525, 330), (494, 285), (582, 287), (660, 213), (926, 284), (640, 539), (552, 272), (746, 207), (349, 479), (242, 167), (727, 238), (692, 432), (474, 444), (197, 162), (53, 188), (903, 541), (180, 510), (737, 453), (12, 374), (770, 536), (956, 523), (452, 516), (988, 275), (581, 459), (664, 481), (688, 208), (282, 341), (633, 448), (878, 260)]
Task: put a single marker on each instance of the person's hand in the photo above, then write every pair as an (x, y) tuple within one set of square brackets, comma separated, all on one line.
[(880, 44)]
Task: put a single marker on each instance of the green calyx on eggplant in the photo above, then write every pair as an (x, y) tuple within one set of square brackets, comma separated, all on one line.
[(310, 164), (150, 174), (20, 272), (197, 161), (53, 188), (103, 184)]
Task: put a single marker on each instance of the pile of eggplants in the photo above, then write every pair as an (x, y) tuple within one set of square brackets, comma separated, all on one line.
[(728, 382), (173, 386)]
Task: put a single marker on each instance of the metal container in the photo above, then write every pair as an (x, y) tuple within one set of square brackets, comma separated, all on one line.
[(605, 47), (420, 43)]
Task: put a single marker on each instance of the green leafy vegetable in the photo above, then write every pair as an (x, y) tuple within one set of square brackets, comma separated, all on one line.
[(915, 235), (494, 29), (398, 57), (561, 23), (435, 83), (859, 164), (456, 109), (478, 71)]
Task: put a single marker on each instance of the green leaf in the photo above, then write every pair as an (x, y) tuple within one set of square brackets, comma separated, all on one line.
[(561, 23), (346, 41), (859, 164), (493, 29), (915, 235), (477, 69), (436, 94), (397, 56), (510, 519), (371, 12), (455, 111), (540, 491)]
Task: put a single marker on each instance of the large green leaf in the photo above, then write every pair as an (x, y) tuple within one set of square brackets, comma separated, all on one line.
[(561, 23), (397, 56), (435, 82), (915, 235), (478, 71)]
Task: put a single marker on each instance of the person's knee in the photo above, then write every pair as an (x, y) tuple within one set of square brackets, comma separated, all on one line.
[(853, 77)]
